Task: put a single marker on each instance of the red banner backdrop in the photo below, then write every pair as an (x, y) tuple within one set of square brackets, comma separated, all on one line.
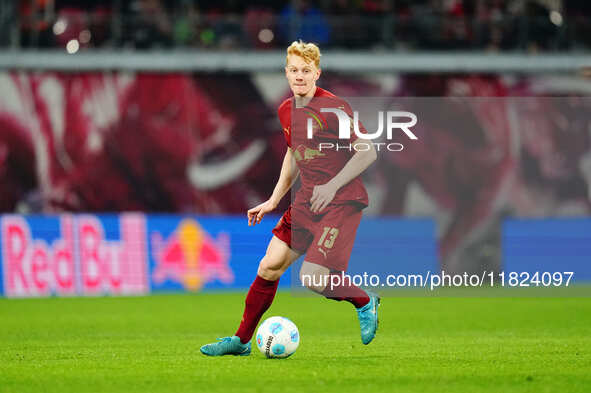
[(211, 143)]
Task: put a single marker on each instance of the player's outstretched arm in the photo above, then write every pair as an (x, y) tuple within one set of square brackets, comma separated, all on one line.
[(324, 194), (288, 176)]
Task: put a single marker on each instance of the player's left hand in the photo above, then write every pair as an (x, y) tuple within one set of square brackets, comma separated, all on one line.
[(322, 196)]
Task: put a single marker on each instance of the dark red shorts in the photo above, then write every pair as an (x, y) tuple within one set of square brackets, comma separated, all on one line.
[(326, 239)]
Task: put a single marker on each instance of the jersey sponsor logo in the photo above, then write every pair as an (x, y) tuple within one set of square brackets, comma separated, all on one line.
[(305, 153)]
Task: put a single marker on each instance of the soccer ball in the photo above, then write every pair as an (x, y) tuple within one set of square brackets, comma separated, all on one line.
[(278, 337)]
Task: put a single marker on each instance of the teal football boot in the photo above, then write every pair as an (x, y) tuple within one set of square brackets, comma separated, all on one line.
[(368, 318), (227, 346)]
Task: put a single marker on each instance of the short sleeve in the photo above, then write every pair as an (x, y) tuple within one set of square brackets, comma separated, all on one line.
[(283, 112)]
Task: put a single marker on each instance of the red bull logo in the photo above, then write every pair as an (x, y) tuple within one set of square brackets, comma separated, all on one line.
[(78, 261), (191, 257)]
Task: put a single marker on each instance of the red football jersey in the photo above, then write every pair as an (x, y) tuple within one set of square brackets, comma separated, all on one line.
[(319, 165)]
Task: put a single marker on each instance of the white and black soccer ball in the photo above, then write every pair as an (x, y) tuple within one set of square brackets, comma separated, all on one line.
[(278, 337)]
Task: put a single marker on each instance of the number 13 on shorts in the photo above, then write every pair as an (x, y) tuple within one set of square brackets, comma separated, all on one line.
[(329, 236)]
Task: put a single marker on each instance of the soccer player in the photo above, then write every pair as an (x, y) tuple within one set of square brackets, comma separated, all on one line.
[(322, 219)]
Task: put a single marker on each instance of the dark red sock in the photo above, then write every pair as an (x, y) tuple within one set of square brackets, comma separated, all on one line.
[(347, 291), (258, 300)]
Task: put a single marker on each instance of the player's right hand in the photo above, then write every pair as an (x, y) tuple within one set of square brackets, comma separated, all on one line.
[(256, 214)]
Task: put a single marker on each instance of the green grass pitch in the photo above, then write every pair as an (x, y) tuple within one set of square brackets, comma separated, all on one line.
[(151, 344)]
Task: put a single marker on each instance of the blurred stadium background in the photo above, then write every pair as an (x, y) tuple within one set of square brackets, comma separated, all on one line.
[(152, 106)]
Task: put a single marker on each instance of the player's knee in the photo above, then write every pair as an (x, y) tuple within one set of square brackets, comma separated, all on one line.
[(270, 268), (314, 277)]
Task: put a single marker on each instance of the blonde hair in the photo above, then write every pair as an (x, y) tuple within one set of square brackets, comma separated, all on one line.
[(306, 50)]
